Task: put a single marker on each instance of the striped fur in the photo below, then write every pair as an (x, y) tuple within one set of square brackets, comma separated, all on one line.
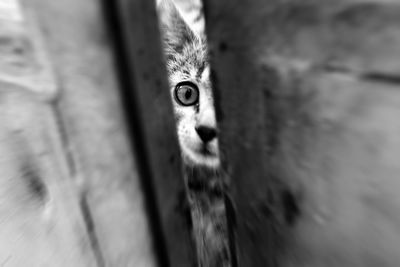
[(187, 60)]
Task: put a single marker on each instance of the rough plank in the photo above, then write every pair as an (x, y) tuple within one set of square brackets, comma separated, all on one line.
[(309, 94), (40, 217), (93, 128)]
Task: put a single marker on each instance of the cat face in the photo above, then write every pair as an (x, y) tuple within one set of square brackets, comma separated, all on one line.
[(194, 111), (190, 88)]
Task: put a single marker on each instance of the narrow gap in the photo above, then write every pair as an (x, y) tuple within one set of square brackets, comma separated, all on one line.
[(90, 228), (372, 76), (72, 170), (115, 30), (231, 224), (381, 77), (35, 182)]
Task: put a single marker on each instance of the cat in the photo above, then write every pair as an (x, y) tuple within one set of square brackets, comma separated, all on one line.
[(188, 72), (191, 92)]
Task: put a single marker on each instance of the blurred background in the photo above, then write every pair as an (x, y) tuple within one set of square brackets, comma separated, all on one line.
[(308, 103)]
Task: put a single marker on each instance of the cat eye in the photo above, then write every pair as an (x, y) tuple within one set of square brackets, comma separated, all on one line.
[(186, 94)]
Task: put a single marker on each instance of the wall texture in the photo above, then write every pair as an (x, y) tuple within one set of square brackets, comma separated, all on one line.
[(320, 81), (69, 194)]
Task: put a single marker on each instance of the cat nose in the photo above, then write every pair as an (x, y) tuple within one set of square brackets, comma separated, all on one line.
[(206, 133)]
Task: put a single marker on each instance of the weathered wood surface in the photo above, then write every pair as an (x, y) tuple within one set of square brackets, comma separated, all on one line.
[(41, 220), (97, 140), (309, 94), (153, 126), (70, 194), (41, 223)]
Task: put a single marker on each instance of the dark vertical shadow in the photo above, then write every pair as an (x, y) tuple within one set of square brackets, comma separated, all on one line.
[(132, 114)]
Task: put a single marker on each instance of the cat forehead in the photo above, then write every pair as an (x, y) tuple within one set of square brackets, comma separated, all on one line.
[(200, 76), (193, 56)]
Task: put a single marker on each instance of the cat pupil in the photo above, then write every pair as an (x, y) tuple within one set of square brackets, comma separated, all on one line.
[(188, 93)]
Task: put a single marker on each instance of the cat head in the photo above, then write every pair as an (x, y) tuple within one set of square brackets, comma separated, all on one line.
[(190, 87)]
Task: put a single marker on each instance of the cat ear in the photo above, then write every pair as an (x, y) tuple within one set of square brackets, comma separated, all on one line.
[(176, 33)]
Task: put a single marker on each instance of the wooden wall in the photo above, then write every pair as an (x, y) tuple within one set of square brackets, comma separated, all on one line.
[(70, 192), (308, 91)]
